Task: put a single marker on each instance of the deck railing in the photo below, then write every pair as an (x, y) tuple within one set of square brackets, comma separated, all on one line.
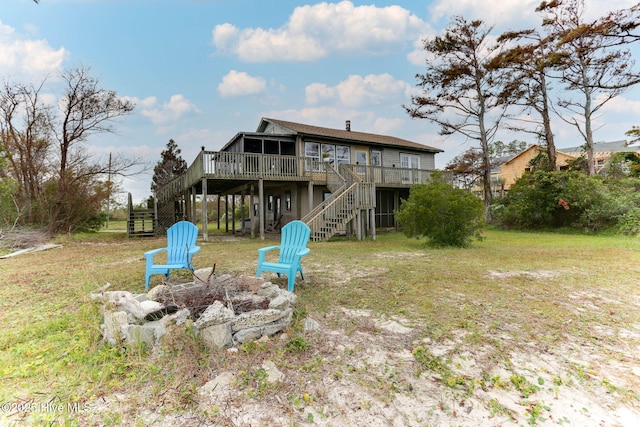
[(227, 165), (390, 176)]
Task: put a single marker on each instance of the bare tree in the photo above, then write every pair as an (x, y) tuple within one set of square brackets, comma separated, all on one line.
[(86, 109), (593, 68), (25, 131), (60, 184), (466, 168), (459, 89)]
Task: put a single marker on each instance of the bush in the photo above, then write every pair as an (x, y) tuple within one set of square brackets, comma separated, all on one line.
[(568, 199), (446, 216), (629, 223), (8, 211)]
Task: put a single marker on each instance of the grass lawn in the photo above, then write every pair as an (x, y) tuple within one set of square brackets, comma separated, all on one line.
[(571, 298)]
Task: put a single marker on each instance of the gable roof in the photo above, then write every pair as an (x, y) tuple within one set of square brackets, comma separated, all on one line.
[(607, 147), (501, 161), (346, 135)]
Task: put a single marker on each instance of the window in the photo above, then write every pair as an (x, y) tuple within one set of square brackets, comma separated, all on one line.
[(409, 161), (376, 158), (252, 145), (271, 147), (362, 157), (287, 148), (328, 153), (343, 155), (312, 150), (270, 202), (287, 201)]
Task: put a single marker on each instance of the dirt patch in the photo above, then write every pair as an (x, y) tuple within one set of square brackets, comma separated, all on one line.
[(368, 370), (22, 238), (360, 368), (533, 274)]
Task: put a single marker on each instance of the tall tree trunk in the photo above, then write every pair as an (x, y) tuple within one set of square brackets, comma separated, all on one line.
[(546, 123)]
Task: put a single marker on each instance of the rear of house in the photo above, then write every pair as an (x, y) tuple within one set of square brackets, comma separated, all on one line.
[(336, 180)]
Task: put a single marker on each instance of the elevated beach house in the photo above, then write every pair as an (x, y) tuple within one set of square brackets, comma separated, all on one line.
[(335, 180)]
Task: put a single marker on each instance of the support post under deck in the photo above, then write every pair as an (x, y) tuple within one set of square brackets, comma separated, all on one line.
[(205, 217)]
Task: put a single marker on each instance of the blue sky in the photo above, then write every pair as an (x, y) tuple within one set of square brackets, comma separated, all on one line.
[(199, 71)]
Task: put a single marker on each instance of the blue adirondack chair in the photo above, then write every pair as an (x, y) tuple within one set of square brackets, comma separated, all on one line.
[(181, 245), (293, 246)]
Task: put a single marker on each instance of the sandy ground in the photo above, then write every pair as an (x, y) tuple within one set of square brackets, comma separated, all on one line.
[(363, 370), (364, 373)]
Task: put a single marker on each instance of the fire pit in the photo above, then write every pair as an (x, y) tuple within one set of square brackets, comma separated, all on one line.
[(224, 310)]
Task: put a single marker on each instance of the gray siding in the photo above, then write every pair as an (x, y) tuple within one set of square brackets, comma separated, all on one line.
[(278, 130), (391, 158)]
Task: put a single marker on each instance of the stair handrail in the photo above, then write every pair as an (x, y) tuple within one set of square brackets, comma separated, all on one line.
[(335, 181), (349, 174), (335, 193), (337, 204), (363, 196), (311, 216)]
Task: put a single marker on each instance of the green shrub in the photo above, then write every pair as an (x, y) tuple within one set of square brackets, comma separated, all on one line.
[(629, 223), (568, 199), (446, 216), (8, 211), (8, 188)]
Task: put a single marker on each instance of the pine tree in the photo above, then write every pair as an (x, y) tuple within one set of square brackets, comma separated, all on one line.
[(458, 89), (169, 167)]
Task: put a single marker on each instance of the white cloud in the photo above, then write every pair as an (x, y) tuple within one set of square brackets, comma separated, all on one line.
[(387, 126), (147, 102), (225, 37), (356, 91), (515, 14), (598, 8), (316, 93), (418, 56), (335, 117), (170, 111), (621, 106), (327, 116), (493, 12), (239, 83), (315, 31), (23, 57)]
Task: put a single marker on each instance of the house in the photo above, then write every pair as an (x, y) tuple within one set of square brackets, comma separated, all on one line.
[(335, 180), (508, 169), (602, 152)]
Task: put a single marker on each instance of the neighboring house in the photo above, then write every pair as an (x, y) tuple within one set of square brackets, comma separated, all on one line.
[(508, 169), (602, 152), (335, 180)]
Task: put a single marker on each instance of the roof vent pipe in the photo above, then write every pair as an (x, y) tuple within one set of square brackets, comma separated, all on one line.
[(347, 125)]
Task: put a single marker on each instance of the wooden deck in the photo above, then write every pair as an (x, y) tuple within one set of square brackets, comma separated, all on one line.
[(228, 166), (353, 187)]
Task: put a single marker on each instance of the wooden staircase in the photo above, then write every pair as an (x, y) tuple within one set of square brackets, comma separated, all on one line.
[(343, 206)]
